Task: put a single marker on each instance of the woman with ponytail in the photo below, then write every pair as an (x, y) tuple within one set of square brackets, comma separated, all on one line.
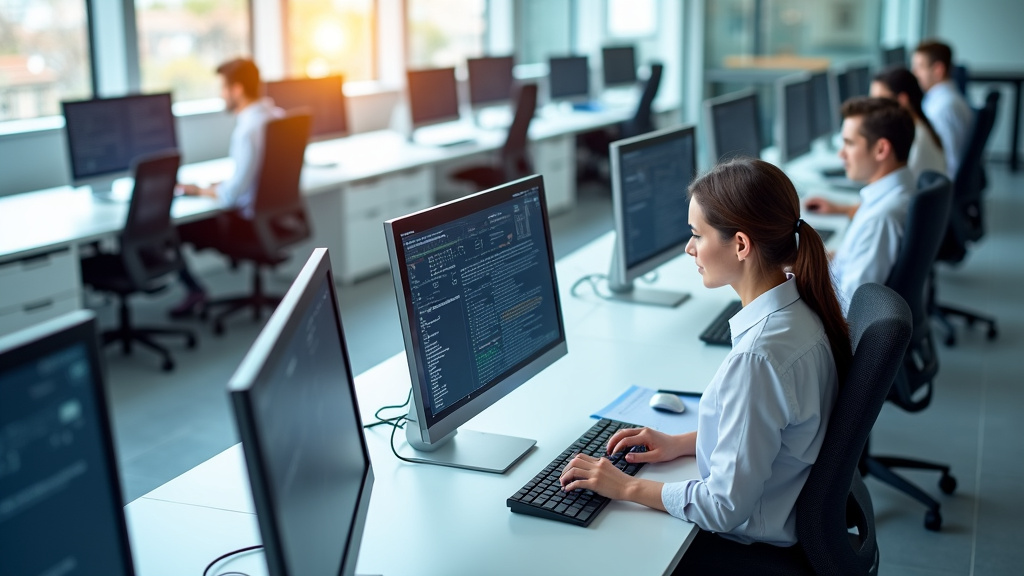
[(762, 419)]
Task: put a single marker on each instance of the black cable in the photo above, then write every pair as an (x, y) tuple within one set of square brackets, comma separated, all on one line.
[(594, 281), (394, 420), (228, 555)]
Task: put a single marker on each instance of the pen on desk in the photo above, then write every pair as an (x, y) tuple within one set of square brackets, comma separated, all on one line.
[(680, 393)]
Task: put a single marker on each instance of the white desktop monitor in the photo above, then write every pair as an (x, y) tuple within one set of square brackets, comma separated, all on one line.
[(618, 65), (62, 510), (478, 302), (433, 96), (794, 116), (733, 126), (298, 418), (650, 175), (322, 96), (490, 80), (824, 105), (568, 79), (105, 135)]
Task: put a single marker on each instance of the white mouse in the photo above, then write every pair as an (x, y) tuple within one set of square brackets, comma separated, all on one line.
[(667, 403)]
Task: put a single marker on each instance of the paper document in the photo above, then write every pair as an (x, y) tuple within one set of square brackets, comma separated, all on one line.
[(633, 406)]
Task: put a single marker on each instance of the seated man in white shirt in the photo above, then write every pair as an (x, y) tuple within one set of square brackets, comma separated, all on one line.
[(877, 135), (943, 104), (240, 89)]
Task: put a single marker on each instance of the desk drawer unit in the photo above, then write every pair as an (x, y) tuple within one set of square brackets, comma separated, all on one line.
[(365, 205), (554, 158), (38, 288)]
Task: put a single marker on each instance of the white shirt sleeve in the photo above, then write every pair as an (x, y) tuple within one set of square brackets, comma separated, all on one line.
[(869, 257), (752, 411)]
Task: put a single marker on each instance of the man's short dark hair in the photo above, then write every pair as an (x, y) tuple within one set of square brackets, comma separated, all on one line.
[(936, 51), (883, 118), (242, 71)]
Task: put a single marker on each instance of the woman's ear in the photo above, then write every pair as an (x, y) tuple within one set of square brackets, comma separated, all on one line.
[(743, 247)]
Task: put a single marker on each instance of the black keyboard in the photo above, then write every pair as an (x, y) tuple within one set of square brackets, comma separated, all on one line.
[(833, 172), (543, 496), (718, 332)]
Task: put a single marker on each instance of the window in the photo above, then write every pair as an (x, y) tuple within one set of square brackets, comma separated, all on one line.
[(632, 18), (545, 30), (181, 43), (444, 33), (331, 37), (44, 56)]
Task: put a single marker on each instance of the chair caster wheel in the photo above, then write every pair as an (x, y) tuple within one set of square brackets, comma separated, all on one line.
[(947, 484), (191, 342), (950, 341), (218, 328), (992, 333), (933, 520), (168, 365)]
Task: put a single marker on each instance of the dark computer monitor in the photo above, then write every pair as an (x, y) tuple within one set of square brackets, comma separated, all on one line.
[(490, 79), (105, 135), (852, 82), (478, 302), (298, 417), (794, 116), (618, 65), (650, 175), (61, 508), (433, 96), (322, 96), (823, 105), (569, 78), (894, 56), (733, 124)]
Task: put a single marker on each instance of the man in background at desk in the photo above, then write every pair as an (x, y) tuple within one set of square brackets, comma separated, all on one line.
[(877, 135), (943, 104), (240, 89)]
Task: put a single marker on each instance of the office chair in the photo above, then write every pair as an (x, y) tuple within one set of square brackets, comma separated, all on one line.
[(960, 77), (149, 255), (912, 388), (834, 498), (279, 222), (642, 121), (966, 224), (514, 161)]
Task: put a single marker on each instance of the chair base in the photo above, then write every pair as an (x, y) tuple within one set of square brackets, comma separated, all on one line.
[(257, 301), (126, 335), (881, 467), (943, 314)]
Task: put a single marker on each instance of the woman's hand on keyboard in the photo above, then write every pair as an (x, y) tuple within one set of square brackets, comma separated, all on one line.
[(661, 447), (601, 476)]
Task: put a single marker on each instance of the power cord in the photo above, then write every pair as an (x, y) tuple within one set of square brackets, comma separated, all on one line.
[(228, 555), (595, 281), (397, 422)]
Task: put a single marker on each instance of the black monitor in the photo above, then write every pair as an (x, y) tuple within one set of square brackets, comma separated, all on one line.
[(298, 417), (61, 508), (105, 135), (650, 175), (618, 64), (490, 79), (852, 82), (433, 96), (823, 105), (894, 56), (569, 78), (322, 96), (478, 301), (794, 116), (733, 124)]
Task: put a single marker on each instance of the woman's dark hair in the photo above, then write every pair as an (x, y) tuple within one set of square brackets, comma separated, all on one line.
[(899, 80), (758, 199)]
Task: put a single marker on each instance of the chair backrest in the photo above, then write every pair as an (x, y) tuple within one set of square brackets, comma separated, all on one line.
[(834, 496), (927, 221), (960, 76), (643, 122), (150, 248), (280, 214), (515, 159)]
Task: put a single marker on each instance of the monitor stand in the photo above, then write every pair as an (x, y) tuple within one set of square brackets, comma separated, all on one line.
[(112, 189), (469, 449), (628, 292)]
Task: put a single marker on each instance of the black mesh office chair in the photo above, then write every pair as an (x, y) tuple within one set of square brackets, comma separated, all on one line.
[(834, 498), (149, 255), (514, 161), (913, 386), (279, 222), (966, 223), (642, 121)]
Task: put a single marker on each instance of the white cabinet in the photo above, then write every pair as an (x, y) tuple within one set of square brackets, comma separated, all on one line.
[(38, 287), (554, 158)]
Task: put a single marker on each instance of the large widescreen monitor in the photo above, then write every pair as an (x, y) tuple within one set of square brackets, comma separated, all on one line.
[(298, 418), (733, 124), (569, 78), (823, 105), (433, 96), (618, 65), (650, 175), (490, 79), (894, 56), (322, 96), (794, 116), (479, 308), (61, 508), (105, 135)]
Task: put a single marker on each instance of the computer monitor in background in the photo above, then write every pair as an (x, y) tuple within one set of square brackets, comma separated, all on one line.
[(478, 302), (823, 105), (433, 96), (323, 97), (569, 79), (61, 508), (650, 175), (618, 65), (852, 82), (894, 56), (105, 135), (298, 418), (490, 80), (733, 124), (794, 116)]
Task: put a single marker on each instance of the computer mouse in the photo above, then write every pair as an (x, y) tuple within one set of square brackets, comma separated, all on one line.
[(667, 403)]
